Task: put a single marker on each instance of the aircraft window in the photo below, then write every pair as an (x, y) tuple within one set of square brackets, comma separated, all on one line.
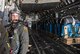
[(76, 20), (67, 20)]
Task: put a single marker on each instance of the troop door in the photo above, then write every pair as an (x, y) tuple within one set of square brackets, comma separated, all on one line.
[(66, 26)]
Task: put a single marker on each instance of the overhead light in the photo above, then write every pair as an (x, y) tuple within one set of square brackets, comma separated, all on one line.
[(69, 1), (65, 1), (78, 8), (73, 0), (51, 14), (69, 8), (62, 10)]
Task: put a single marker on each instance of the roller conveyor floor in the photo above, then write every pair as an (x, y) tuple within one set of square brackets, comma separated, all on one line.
[(42, 44)]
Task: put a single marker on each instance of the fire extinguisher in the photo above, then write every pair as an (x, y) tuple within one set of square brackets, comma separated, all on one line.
[(11, 51)]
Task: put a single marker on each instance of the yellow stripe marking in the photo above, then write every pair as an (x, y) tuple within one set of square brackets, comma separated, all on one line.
[(7, 34), (8, 45), (25, 29)]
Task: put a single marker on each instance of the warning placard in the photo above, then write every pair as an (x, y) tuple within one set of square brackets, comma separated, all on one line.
[(2, 4)]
